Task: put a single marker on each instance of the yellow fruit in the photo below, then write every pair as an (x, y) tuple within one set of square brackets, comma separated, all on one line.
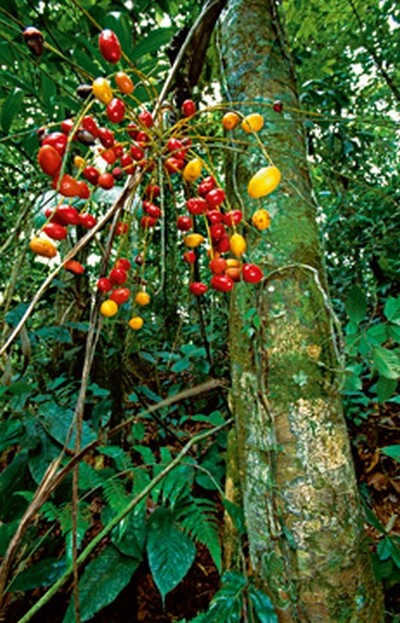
[(237, 244), (192, 170), (108, 308), (253, 122), (136, 323), (79, 162), (231, 262), (102, 90), (264, 182), (43, 247), (142, 298), (193, 240), (230, 120), (261, 219)]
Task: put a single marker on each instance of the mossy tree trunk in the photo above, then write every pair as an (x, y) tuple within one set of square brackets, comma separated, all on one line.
[(302, 508)]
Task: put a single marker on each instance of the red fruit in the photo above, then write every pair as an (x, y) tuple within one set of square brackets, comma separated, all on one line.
[(67, 125), (64, 215), (120, 295), (116, 110), (147, 222), (137, 152), (108, 155), (232, 218), (132, 130), (83, 190), (184, 223), (118, 276), (196, 205), (121, 229), (104, 284), (117, 173), (68, 186), (223, 245), (278, 106), (218, 265), (214, 216), (188, 108), (106, 181), (215, 197), (206, 185), (234, 273), (89, 124), (106, 137), (122, 262), (189, 257), (74, 267), (142, 137), (87, 220), (146, 118), (109, 45), (222, 283), (151, 209), (198, 288), (55, 231), (217, 232), (91, 174), (175, 146), (174, 165), (152, 191), (127, 164), (252, 273), (139, 260), (118, 150), (58, 140), (49, 160)]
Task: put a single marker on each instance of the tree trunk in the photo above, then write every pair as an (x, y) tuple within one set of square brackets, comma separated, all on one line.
[(302, 508)]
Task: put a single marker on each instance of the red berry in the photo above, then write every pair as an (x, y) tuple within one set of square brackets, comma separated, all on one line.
[(175, 147), (87, 220), (174, 165), (188, 108), (217, 231), (142, 137), (74, 267), (67, 125), (104, 284), (189, 257), (252, 273), (116, 110), (91, 174), (118, 276), (106, 137), (153, 191), (132, 130), (120, 295), (222, 283), (55, 231), (89, 124), (83, 190), (64, 215), (198, 288), (223, 245), (108, 155), (137, 152), (232, 218), (58, 140), (215, 197), (214, 216), (151, 209), (184, 223), (123, 262), (121, 229), (117, 173), (68, 186), (147, 222), (146, 118), (127, 164), (196, 205), (206, 185), (49, 160), (277, 106), (109, 45), (106, 181), (218, 265)]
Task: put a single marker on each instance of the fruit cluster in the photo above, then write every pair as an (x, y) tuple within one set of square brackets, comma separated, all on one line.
[(98, 156)]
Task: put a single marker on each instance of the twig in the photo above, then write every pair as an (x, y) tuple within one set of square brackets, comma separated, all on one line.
[(117, 519)]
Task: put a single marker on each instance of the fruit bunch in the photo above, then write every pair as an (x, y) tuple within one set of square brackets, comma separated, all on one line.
[(86, 153)]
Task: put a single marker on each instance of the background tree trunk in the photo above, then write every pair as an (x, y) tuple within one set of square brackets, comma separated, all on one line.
[(300, 496)]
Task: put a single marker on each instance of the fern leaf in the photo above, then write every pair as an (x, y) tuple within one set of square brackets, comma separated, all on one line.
[(198, 518)]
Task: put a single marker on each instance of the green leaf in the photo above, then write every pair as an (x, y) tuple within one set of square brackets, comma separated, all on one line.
[(356, 304), (392, 310), (11, 108), (181, 365), (385, 388), (387, 362), (170, 551), (57, 421), (377, 334), (153, 42), (101, 583), (42, 573), (262, 606), (392, 451)]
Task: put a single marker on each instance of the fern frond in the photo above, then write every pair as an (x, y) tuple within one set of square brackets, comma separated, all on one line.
[(115, 494), (198, 518)]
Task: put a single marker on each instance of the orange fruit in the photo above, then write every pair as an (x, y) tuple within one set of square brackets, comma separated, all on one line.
[(261, 219), (264, 182), (230, 120), (136, 323), (43, 247), (253, 122), (108, 308), (142, 298)]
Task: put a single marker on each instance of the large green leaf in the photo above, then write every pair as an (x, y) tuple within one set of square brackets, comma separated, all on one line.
[(392, 309), (101, 583), (170, 551), (11, 107), (356, 304), (42, 573), (387, 362), (57, 421), (262, 605), (153, 42), (392, 451), (385, 388)]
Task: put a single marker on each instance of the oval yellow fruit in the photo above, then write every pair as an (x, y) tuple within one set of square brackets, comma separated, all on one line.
[(43, 247), (108, 308), (261, 219), (192, 170), (237, 244), (264, 182), (230, 120), (142, 298), (79, 162), (136, 323), (102, 90), (253, 122), (194, 240)]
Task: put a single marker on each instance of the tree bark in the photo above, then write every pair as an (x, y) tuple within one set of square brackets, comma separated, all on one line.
[(302, 507)]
